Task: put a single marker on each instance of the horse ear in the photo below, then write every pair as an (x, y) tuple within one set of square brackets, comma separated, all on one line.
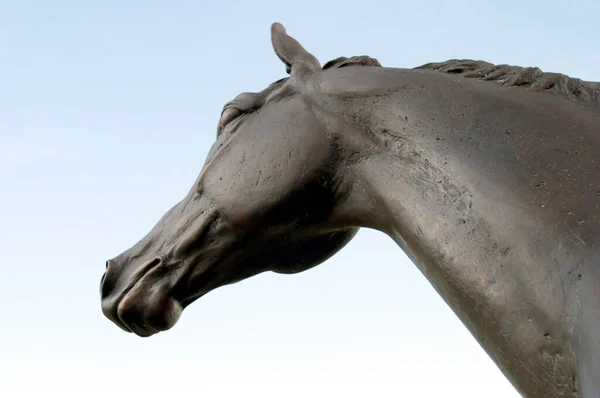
[(291, 52)]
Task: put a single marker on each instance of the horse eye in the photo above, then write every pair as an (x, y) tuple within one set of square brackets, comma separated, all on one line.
[(228, 115)]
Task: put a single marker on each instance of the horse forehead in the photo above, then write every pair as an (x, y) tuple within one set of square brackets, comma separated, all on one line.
[(287, 125), (254, 100), (277, 151)]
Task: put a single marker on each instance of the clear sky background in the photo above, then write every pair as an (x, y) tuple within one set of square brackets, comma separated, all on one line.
[(107, 111)]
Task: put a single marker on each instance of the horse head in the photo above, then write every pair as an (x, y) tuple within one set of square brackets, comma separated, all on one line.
[(265, 200)]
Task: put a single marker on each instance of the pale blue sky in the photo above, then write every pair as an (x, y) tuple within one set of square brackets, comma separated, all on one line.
[(107, 111)]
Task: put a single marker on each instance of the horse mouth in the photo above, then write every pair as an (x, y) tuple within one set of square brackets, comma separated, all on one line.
[(150, 317), (146, 307)]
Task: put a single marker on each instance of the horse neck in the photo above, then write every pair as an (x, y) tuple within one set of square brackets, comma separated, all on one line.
[(476, 243), (479, 262)]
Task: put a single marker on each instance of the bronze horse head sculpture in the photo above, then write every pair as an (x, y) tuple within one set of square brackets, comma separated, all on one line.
[(487, 176)]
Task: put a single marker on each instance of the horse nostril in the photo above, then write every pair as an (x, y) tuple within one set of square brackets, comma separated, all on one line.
[(157, 261), (110, 264)]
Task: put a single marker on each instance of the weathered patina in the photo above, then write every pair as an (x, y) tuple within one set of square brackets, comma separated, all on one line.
[(487, 176)]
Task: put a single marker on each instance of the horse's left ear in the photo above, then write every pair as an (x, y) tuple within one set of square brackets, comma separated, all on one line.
[(293, 55)]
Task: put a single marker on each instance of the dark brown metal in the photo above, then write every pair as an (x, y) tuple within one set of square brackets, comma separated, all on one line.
[(491, 187)]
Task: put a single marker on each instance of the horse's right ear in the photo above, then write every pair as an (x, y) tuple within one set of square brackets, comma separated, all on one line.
[(291, 52)]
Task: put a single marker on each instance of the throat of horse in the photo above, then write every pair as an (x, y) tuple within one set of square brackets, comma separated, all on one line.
[(468, 240)]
